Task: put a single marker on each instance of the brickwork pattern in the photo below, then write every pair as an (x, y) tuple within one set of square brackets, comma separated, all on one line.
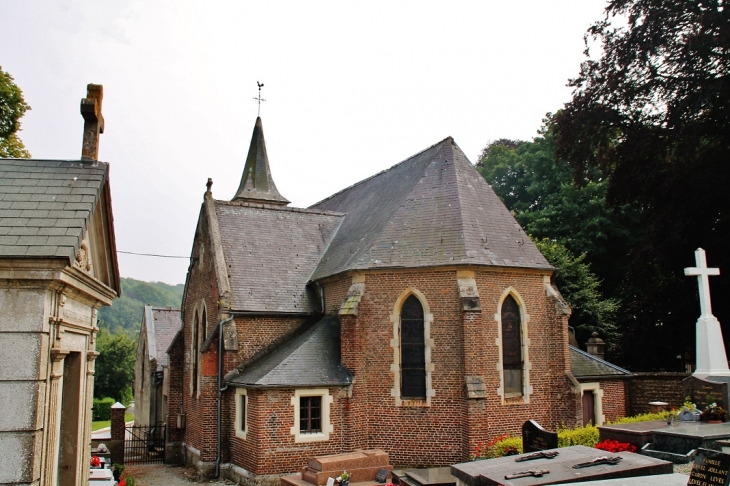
[(651, 387), (269, 447), (464, 343), (201, 409), (614, 398), (175, 393)]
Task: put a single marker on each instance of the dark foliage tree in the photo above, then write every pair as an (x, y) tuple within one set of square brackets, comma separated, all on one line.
[(548, 203), (581, 289), (653, 113), (12, 109)]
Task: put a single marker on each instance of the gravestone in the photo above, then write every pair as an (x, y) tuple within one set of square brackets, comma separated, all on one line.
[(558, 470), (710, 468), (535, 438), (698, 388)]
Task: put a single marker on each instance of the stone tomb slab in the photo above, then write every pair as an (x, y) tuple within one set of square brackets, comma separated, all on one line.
[(535, 438), (492, 472), (435, 476)]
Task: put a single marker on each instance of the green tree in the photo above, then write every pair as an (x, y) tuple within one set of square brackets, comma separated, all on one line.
[(125, 313), (12, 109), (548, 203), (652, 111), (114, 368), (581, 289)]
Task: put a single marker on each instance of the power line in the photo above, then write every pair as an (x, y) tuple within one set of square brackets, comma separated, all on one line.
[(150, 254)]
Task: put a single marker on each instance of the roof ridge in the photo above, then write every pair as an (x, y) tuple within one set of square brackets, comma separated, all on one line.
[(594, 357), (383, 171), (277, 207)]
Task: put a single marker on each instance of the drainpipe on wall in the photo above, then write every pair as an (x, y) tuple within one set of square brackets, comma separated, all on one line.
[(221, 389)]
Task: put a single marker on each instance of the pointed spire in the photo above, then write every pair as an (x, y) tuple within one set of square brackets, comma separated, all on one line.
[(257, 184)]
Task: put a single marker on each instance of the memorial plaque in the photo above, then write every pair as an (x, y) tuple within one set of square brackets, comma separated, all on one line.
[(535, 438), (698, 389), (381, 476), (710, 468)]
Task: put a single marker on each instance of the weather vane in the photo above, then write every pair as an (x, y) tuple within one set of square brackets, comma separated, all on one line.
[(260, 99)]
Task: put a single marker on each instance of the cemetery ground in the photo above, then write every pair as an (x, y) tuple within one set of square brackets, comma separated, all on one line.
[(159, 474)]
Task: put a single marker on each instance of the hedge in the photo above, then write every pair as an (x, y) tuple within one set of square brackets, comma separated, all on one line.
[(102, 409)]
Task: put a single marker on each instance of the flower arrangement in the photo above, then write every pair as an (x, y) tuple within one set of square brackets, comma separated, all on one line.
[(615, 446), (95, 461), (343, 478), (713, 411)]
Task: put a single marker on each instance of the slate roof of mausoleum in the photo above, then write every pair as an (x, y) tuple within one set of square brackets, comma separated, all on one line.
[(46, 206), (308, 358), (585, 365), (162, 324), (433, 209)]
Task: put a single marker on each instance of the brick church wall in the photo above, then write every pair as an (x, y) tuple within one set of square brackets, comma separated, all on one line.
[(614, 398), (651, 387), (463, 345), (269, 447), (201, 409), (175, 393)]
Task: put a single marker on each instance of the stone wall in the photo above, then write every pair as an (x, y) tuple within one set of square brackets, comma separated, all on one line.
[(652, 387)]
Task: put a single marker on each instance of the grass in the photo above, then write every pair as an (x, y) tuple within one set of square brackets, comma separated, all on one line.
[(128, 417)]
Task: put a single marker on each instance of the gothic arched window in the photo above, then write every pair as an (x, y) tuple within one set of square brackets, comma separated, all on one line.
[(511, 346), (194, 353), (413, 350)]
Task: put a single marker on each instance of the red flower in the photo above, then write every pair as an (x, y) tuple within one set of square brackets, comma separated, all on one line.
[(95, 461), (615, 446), (123, 482)]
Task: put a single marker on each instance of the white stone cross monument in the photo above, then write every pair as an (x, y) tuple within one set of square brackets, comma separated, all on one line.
[(711, 356)]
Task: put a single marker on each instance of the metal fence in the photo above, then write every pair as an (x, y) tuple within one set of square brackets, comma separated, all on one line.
[(145, 444)]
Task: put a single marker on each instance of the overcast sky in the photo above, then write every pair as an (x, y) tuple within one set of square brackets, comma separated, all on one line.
[(352, 88)]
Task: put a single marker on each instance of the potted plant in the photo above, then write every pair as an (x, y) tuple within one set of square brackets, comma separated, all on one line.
[(713, 413)]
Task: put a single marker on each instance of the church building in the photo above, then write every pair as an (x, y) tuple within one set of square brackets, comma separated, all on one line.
[(409, 312)]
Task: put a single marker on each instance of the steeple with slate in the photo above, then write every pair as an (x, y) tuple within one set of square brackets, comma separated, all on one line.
[(257, 185)]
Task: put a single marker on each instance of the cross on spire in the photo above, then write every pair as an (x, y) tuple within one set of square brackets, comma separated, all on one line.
[(260, 99), (702, 273)]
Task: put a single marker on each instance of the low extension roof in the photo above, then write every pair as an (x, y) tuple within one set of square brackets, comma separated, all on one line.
[(310, 358), (433, 209), (162, 324), (270, 252), (585, 365)]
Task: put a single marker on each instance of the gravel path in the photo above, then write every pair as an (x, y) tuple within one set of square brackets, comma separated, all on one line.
[(162, 475)]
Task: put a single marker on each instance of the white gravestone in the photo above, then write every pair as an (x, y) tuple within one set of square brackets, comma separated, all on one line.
[(711, 355)]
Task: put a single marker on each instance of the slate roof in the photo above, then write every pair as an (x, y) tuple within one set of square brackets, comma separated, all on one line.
[(162, 324), (432, 209), (310, 358), (46, 205), (257, 185), (585, 365), (270, 253)]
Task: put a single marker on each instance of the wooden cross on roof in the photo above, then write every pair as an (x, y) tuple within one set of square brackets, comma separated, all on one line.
[(703, 273), (260, 99)]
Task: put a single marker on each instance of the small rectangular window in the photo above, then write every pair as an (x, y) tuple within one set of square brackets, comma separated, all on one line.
[(310, 414), (242, 413)]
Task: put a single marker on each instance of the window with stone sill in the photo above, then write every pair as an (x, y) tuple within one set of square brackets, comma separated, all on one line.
[(241, 412), (412, 347), (311, 415), (513, 344)]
